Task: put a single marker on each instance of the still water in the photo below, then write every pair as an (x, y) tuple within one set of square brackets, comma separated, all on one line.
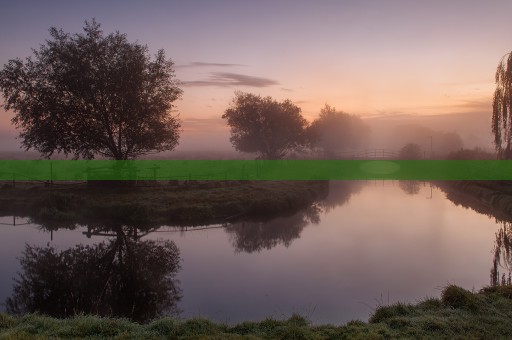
[(367, 244)]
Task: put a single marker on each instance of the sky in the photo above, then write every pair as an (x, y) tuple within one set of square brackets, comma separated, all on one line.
[(381, 58)]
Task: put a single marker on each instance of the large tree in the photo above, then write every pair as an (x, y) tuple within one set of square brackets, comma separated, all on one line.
[(336, 131), (265, 126), (90, 94), (502, 107)]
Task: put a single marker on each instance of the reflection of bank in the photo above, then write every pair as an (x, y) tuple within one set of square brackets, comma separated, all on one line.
[(123, 277), (502, 262), (475, 195)]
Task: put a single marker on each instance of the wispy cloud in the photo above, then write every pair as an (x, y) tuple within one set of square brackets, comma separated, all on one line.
[(204, 125), (226, 79), (205, 64)]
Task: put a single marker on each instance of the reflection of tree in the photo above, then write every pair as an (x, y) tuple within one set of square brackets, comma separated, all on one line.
[(121, 278), (255, 236), (340, 193), (502, 255), (410, 187)]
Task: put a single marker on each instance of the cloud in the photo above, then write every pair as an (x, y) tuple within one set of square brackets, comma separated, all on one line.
[(225, 79), (205, 64), (388, 114), (204, 125)]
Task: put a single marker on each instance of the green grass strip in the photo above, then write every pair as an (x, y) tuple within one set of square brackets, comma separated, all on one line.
[(255, 170)]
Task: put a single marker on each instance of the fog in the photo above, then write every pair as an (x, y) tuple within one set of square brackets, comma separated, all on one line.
[(474, 130), (209, 138)]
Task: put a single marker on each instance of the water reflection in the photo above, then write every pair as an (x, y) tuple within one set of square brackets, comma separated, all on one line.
[(124, 277), (252, 237), (340, 193), (502, 256), (410, 187), (405, 246), (454, 192)]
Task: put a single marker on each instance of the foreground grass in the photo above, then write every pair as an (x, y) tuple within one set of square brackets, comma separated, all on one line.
[(457, 314), (212, 201)]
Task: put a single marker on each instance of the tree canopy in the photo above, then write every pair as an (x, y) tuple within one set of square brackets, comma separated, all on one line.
[(336, 131), (501, 108), (265, 126), (88, 95)]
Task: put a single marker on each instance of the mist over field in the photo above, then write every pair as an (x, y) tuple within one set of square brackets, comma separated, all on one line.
[(209, 138)]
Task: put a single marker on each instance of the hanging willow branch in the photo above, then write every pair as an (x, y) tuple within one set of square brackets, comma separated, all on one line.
[(501, 108)]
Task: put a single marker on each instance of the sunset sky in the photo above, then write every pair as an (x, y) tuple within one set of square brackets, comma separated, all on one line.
[(371, 58)]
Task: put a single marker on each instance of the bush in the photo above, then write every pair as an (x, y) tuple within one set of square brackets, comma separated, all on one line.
[(459, 298)]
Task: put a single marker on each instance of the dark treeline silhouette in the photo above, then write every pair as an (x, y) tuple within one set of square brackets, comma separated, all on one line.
[(123, 277)]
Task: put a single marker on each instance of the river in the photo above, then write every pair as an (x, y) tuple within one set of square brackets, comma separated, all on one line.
[(367, 244)]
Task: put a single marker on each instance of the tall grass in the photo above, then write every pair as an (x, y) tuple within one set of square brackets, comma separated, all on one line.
[(457, 314)]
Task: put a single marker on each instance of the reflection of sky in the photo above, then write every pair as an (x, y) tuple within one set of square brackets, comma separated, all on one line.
[(365, 57), (382, 242)]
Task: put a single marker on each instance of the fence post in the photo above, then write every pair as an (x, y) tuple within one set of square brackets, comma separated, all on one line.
[(13, 180)]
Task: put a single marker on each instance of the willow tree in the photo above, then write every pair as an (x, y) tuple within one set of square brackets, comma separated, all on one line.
[(90, 94), (502, 107)]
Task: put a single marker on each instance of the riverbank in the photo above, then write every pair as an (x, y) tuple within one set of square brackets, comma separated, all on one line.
[(187, 204), (458, 313)]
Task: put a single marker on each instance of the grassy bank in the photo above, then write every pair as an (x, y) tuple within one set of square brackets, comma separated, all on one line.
[(457, 314), (156, 205)]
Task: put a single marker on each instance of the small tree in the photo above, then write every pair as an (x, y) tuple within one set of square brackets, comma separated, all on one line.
[(265, 126), (502, 107), (89, 94), (410, 151), (336, 131)]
